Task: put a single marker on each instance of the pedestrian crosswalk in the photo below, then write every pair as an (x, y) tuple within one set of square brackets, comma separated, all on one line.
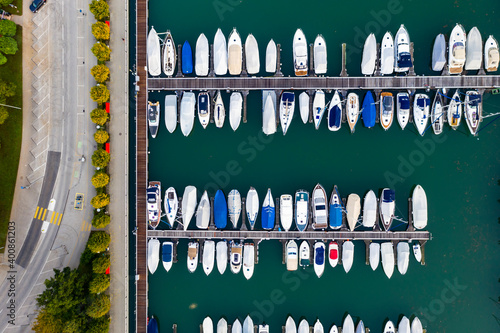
[(43, 214)]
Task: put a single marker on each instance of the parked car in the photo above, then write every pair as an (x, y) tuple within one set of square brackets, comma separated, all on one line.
[(5, 15), (36, 5)]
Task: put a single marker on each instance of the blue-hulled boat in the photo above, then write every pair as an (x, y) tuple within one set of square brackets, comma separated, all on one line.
[(335, 209), (369, 111), (268, 211), (152, 325), (187, 58), (220, 210), (301, 209), (335, 112)]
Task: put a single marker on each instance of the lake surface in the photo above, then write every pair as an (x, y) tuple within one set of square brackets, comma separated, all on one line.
[(456, 289)]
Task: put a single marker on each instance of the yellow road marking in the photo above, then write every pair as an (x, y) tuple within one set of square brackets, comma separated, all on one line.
[(44, 213), (60, 218), (83, 226), (40, 213), (36, 213), (90, 227), (52, 218), (55, 219)]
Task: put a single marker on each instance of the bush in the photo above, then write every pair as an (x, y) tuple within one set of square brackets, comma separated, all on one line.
[(100, 50), (99, 94), (100, 220), (99, 306), (100, 201), (4, 114), (98, 241), (3, 59), (99, 116), (87, 257), (100, 9), (99, 325), (101, 136), (7, 28), (99, 283), (8, 45), (100, 158), (100, 73), (100, 30), (4, 3), (101, 264), (100, 179)]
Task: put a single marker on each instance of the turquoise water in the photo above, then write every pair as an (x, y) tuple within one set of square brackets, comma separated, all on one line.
[(457, 288)]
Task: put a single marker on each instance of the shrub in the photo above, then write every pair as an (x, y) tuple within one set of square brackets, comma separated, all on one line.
[(100, 220), (100, 73), (101, 136), (100, 201), (8, 45), (100, 9), (99, 325), (100, 179), (100, 50), (100, 158), (101, 264), (7, 28), (98, 241), (99, 306), (100, 30), (3, 59), (99, 94), (99, 283), (99, 116)]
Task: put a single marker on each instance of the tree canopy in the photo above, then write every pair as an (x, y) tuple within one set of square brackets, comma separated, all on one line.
[(100, 220), (100, 158), (100, 50), (98, 241), (99, 94), (100, 9), (100, 30), (101, 264), (100, 73), (7, 28), (100, 201), (8, 45), (99, 116)]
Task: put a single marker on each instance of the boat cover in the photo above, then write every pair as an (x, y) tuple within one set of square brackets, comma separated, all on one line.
[(439, 53), (334, 254), (387, 101), (220, 210), (423, 102), (335, 117), (389, 196), (167, 252), (368, 110), (319, 258), (187, 58), (404, 60), (474, 100), (404, 101)]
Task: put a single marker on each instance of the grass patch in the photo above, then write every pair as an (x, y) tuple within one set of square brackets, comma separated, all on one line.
[(14, 10), (10, 137)]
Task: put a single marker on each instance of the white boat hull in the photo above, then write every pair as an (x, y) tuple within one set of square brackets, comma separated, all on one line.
[(387, 54), (474, 50), (319, 262), (201, 56), (491, 54), (304, 107), (248, 260), (403, 250), (318, 107), (419, 207), (348, 325), (286, 211), (252, 55), (235, 107), (189, 202), (235, 53), (252, 206), (221, 251), (456, 50), (370, 210), (347, 255), (187, 116), (387, 254), (154, 53), (220, 53), (222, 326), (248, 325), (269, 112), (219, 111), (290, 326), (271, 56), (234, 207), (208, 325), (208, 256), (153, 255), (374, 252), (352, 110), (369, 55), (353, 209), (300, 53), (171, 112), (203, 212), (320, 55)]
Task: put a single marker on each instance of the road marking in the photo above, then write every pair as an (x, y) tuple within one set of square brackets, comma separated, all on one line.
[(44, 213), (90, 226), (55, 220), (52, 218), (83, 226), (60, 218), (36, 213)]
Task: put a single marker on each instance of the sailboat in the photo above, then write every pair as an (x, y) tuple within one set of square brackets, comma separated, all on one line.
[(208, 325), (192, 260), (268, 112), (300, 53), (474, 50), (386, 109), (171, 112), (248, 260), (403, 250), (387, 254), (219, 111), (235, 107), (353, 208), (292, 257), (368, 111), (491, 55), (421, 112), (301, 209), (286, 211), (153, 118), (387, 54), (167, 255), (403, 108), (204, 108), (252, 55), (320, 57), (271, 57), (352, 111), (473, 110), (154, 54), (287, 108), (402, 55), (304, 106), (319, 208), (387, 207), (234, 53), (369, 55), (455, 111), (335, 112), (220, 210), (437, 113), (208, 256), (374, 253), (220, 53), (369, 210), (439, 53), (419, 207), (236, 251), (333, 254), (252, 206), (153, 254), (153, 195), (188, 103), (203, 212), (268, 211), (335, 209), (347, 255), (169, 54), (234, 207), (189, 202), (201, 56), (456, 50), (304, 254), (187, 58), (221, 251), (318, 107), (319, 258), (171, 205)]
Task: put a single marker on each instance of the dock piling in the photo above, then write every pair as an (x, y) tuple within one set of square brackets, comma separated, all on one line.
[(411, 72), (211, 223), (311, 101)]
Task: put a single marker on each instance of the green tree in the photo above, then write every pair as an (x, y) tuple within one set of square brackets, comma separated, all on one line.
[(87, 257), (98, 241), (100, 9), (101, 264), (99, 94), (101, 136), (100, 158), (3, 59), (8, 45), (99, 306), (4, 3), (100, 179), (100, 73), (100, 30), (100, 50), (99, 325), (7, 89), (99, 283), (100, 220), (7, 28), (4, 114), (99, 116), (100, 201)]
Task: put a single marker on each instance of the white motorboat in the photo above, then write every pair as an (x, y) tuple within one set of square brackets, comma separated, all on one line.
[(188, 103), (439, 53), (320, 56), (374, 253), (189, 202), (473, 110), (334, 329), (222, 326), (304, 254), (171, 112), (403, 105), (290, 326), (153, 255), (419, 207), (203, 212), (201, 56), (417, 252), (437, 114), (234, 207), (220, 53), (387, 54), (348, 325), (263, 328), (153, 195), (204, 108), (287, 109), (292, 255), (235, 258), (167, 255), (154, 54), (369, 55), (389, 327), (208, 325), (370, 210), (271, 57), (303, 326), (252, 206), (387, 207), (268, 112), (334, 116), (304, 106), (248, 260), (416, 326), (404, 325), (300, 53), (455, 111), (169, 54), (153, 118), (353, 208), (252, 55), (234, 53), (219, 111), (237, 328), (319, 208), (208, 259), (360, 328), (301, 209), (192, 259), (221, 251), (386, 109), (402, 56), (248, 325), (171, 205), (421, 111), (491, 55), (319, 258), (318, 327), (286, 211), (387, 254), (333, 254), (456, 50), (235, 107), (474, 50), (352, 110), (318, 107), (403, 250), (347, 255)]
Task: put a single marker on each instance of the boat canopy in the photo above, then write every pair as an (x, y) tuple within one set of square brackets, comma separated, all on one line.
[(192, 252), (167, 253), (320, 256), (151, 193), (459, 50), (335, 119), (389, 196), (404, 60), (474, 100), (493, 58), (404, 101), (334, 254), (423, 102), (387, 101)]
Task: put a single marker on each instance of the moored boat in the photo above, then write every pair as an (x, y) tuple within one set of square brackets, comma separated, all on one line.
[(456, 50), (369, 111), (153, 255), (320, 57), (348, 325), (304, 106), (268, 112), (318, 107), (220, 210), (387, 207), (234, 207), (319, 258), (301, 209), (374, 254), (334, 116), (152, 325), (404, 325), (235, 107), (402, 56), (208, 259), (169, 54), (352, 110), (222, 326), (219, 111), (403, 108), (353, 209), (386, 109), (439, 53), (248, 261), (403, 250), (304, 254), (333, 254), (292, 255), (263, 328), (369, 55), (252, 55), (153, 118), (474, 50), (455, 111), (201, 56), (387, 54), (416, 326), (192, 259), (220, 53), (167, 255), (153, 195), (347, 255), (171, 112), (319, 208), (318, 327), (417, 252), (235, 258), (271, 57), (287, 108), (389, 327), (303, 326), (421, 111), (335, 209), (203, 212), (437, 114), (472, 111), (234, 53), (187, 58), (189, 202), (491, 55), (300, 53), (419, 207), (236, 328), (268, 211), (334, 329), (387, 254), (360, 328), (252, 206), (370, 209), (154, 53), (221, 252), (290, 326), (188, 103), (204, 108), (286, 211)]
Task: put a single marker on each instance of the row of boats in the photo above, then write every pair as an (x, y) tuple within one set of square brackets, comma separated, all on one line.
[(301, 208), (241, 256), (389, 107)]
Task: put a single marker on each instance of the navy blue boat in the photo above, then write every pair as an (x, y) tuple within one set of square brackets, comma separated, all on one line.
[(187, 58), (220, 210), (335, 112), (369, 111), (268, 212), (152, 325)]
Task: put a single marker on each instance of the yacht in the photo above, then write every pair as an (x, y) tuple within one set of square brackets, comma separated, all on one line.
[(474, 50), (252, 55), (268, 112), (208, 259), (286, 211), (187, 58), (301, 209), (304, 106), (333, 254), (347, 255), (203, 212), (221, 251), (353, 208), (437, 114), (387, 254), (368, 111), (201, 56), (319, 258), (234, 53), (248, 325), (220, 210), (419, 207), (370, 210), (219, 111), (318, 107), (237, 328), (421, 111), (387, 54), (290, 326), (455, 111), (320, 58), (248, 260), (472, 111), (352, 110), (153, 118), (188, 102), (169, 54), (171, 112), (204, 108), (268, 211), (287, 108), (271, 57), (222, 326), (235, 107), (304, 254), (416, 326), (404, 325), (456, 50), (386, 109), (153, 194), (417, 252), (389, 327), (491, 55), (192, 260), (335, 112), (153, 255), (348, 326), (171, 205), (189, 202), (402, 56), (303, 326), (319, 208), (318, 327), (369, 55), (220, 53), (154, 54), (439, 53), (252, 206), (292, 257), (403, 105), (335, 209), (374, 254), (236, 252), (387, 207), (300, 53), (234, 207), (403, 250), (167, 255)]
